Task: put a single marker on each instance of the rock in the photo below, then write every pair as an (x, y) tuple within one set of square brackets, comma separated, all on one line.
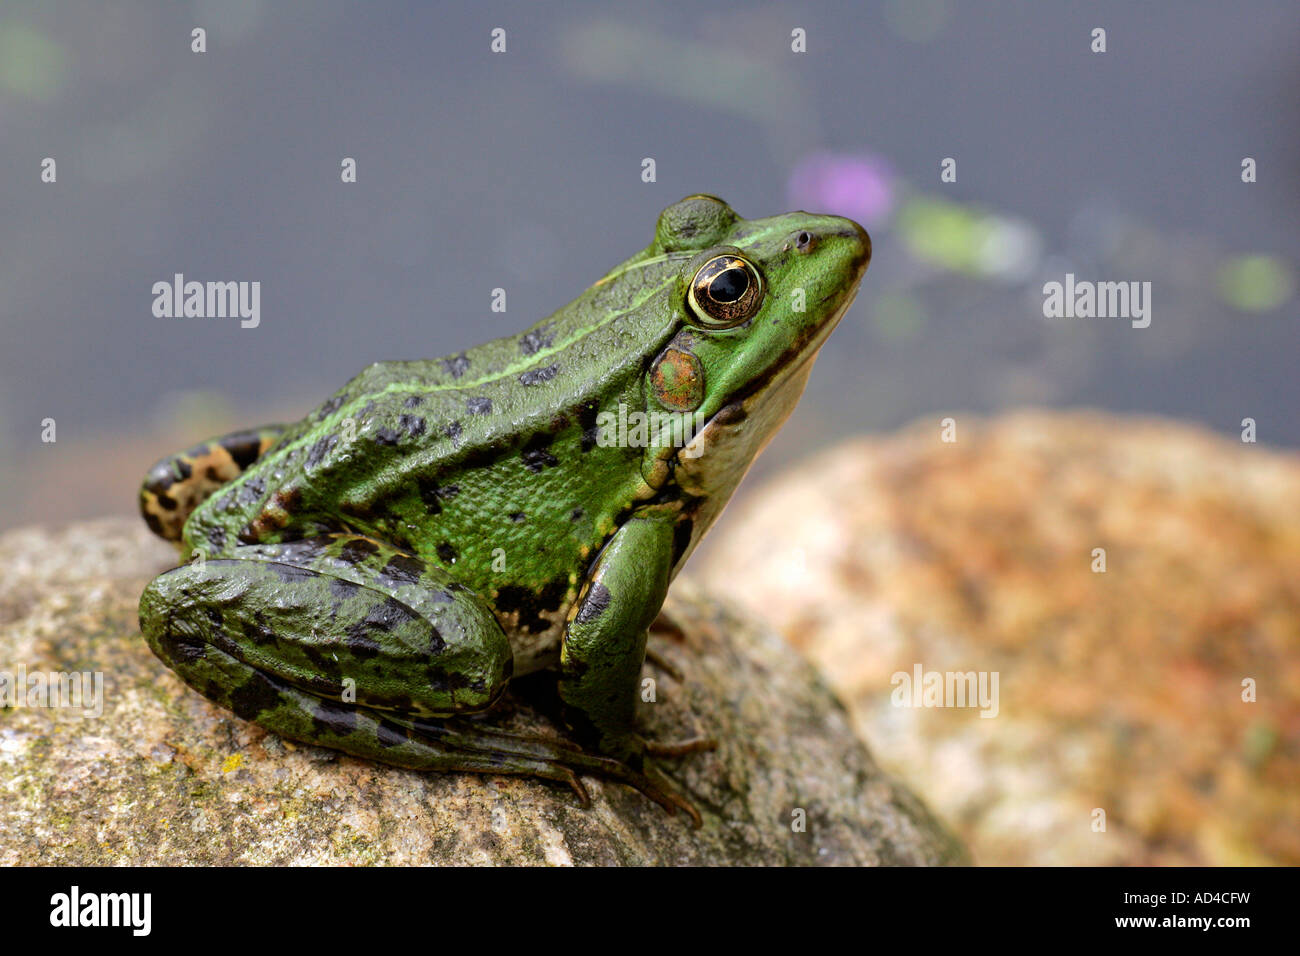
[(1120, 691), (164, 777)]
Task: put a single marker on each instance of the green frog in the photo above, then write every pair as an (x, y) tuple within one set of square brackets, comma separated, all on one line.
[(371, 577)]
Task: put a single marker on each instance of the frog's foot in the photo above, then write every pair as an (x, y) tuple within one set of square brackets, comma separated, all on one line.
[(666, 623), (665, 665), (552, 759), (179, 483)]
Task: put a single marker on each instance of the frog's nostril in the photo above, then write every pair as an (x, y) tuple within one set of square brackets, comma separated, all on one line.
[(803, 239)]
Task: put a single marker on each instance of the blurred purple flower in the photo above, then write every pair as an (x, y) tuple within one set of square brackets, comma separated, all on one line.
[(860, 186)]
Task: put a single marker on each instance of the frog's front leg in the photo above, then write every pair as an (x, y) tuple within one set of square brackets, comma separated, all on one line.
[(348, 643), (604, 644)]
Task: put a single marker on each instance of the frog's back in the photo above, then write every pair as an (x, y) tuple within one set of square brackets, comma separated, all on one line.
[(497, 428)]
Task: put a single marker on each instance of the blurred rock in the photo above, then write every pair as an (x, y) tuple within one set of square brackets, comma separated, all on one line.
[(164, 777), (1119, 690)]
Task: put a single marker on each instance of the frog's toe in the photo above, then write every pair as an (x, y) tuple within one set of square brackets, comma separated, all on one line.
[(680, 748), (663, 791), (561, 761)]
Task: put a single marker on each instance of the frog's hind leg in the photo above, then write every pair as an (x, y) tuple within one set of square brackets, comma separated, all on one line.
[(179, 483), (345, 642)]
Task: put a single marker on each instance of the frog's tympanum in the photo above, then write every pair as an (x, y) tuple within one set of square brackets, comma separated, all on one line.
[(368, 577)]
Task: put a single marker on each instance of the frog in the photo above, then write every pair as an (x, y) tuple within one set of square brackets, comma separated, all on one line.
[(373, 577)]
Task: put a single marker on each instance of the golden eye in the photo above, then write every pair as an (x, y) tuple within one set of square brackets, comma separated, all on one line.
[(725, 292)]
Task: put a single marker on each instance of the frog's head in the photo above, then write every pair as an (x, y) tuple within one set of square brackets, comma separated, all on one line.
[(757, 298)]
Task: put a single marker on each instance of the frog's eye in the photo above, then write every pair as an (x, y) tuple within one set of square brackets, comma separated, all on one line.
[(725, 292)]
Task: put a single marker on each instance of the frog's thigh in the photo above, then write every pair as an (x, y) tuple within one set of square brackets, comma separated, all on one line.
[(343, 619), (604, 643)]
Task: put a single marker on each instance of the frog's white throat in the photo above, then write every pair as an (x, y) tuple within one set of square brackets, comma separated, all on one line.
[(711, 466)]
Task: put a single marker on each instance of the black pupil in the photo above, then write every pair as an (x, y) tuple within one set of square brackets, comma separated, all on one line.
[(730, 285)]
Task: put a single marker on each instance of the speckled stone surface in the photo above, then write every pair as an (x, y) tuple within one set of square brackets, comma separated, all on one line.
[(1119, 691), (164, 777)]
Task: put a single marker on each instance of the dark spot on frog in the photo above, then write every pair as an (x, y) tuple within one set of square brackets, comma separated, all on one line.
[(414, 425), (252, 490), (356, 550), (319, 449), (536, 455), (594, 604), (537, 339), (576, 514), (183, 469), (330, 407), (216, 537), (518, 517), (412, 401), (389, 735), (334, 719), (428, 489), (259, 633), (360, 644), (401, 569), (479, 406), (386, 436), (160, 479), (325, 664), (530, 604), (154, 524), (587, 413), (243, 447), (433, 494), (446, 553), (254, 696), (184, 648), (537, 376), (342, 590), (456, 365)]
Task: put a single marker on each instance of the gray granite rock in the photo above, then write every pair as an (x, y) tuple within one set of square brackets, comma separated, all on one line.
[(164, 777)]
